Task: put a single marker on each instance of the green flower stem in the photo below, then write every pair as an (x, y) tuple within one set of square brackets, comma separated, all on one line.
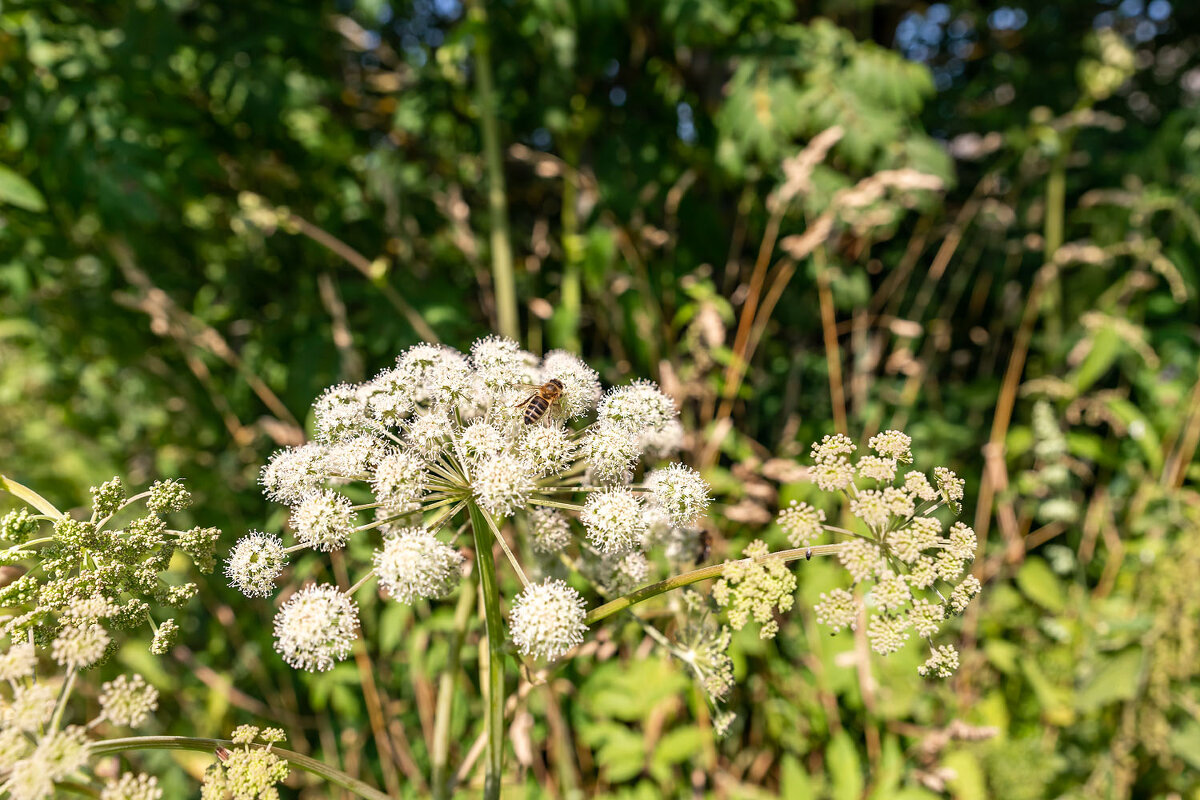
[(702, 574), (491, 668), (445, 696), (503, 282), (302, 762)]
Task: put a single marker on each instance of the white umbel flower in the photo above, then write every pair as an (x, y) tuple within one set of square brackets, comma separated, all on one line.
[(499, 362), (128, 701), (132, 787), (340, 411), (680, 492), (547, 619), (31, 707), (254, 563), (549, 530), (637, 407), (413, 564), (399, 479), (549, 449), (581, 384), (611, 450), (294, 473), (837, 609), (316, 628), (18, 662), (324, 521), (79, 646), (503, 484), (802, 523), (614, 521)]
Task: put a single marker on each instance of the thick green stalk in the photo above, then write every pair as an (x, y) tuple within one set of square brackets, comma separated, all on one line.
[(502, 260), (303, 762), (695, 576), (491, 670), (446, 684)]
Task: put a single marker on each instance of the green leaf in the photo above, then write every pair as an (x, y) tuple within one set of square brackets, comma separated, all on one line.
[(17, 191), (30, 496), (1116, 679), (679, 745), (1041, 585), (1185, 742), (1106, 346), (1140, 430), (845, 771), (794, 781), (968, 782)]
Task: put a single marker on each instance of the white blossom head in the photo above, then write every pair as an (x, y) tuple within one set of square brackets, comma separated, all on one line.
[(581, 385), (132, 786), (294, 473), (547, 619), (413, 564), (549, 530), (802, 523), (503, 483), (549, 449), (680, 492), (18, 662), (316, 628), (128, 701), (435, 374), (613, 520), (399, 479), (499, 362), (324, 521), (31, 707), (611, 450), (637, 407), (340, 411), (254, 563), (389, 398), (79, 646)]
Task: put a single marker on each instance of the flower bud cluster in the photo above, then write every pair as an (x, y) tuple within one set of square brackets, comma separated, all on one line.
[(908, 570)]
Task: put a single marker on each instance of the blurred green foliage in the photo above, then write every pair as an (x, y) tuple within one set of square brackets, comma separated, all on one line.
[(210, 211)]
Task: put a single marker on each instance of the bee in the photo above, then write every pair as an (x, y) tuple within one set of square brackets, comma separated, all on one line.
[(704, 550), (540, 400)]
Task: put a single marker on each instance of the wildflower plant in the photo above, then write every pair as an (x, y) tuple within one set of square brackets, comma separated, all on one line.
[(83, 585), (440, 444)]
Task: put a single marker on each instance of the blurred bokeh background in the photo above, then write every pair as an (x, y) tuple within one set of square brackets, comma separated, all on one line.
[(210, 211)]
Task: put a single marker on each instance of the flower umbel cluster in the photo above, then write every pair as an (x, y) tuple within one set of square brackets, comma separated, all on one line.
[(494, 434), (88, 578), (907, 568), (84, 582), (248, 772)]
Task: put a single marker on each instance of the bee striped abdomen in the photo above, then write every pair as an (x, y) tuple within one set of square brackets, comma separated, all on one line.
[(536, 408)]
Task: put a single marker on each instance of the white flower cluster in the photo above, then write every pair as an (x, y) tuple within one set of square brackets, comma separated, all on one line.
[(85, 581), (38, 752), (497, 431), (246, 771), (908, 570)]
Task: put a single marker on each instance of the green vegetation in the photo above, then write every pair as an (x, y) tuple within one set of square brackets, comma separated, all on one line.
[(977, 224)]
